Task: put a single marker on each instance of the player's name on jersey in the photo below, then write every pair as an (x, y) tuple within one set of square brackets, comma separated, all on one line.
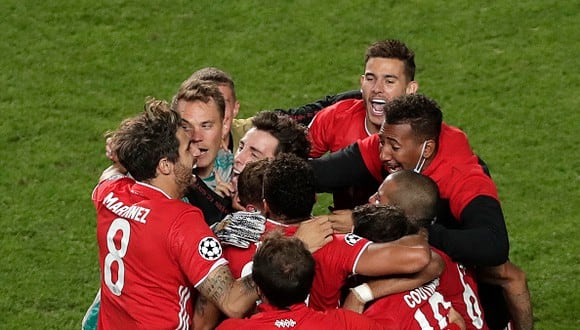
[(132, 212), (422, 293)]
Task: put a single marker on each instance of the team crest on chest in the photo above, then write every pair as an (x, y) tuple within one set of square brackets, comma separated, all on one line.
[(210, 249), (351, 239)]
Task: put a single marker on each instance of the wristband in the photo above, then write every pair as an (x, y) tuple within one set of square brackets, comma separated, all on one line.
[(363, 293)]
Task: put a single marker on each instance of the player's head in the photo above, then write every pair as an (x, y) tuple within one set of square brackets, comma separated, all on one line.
[(389, 73), (415, 194), (156, 143), (271, 135), (202, 105), (250, 183), (226, 86), (289, 193), (381, 223), (410, 133), (283, 270)]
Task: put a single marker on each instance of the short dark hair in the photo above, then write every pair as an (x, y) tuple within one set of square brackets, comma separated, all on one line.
[(142, 141), (291, 135), (283, 269), (197, 90), (214, 75), (417, 195), (393, 49), (422, 113), (380, 223), (251, 181), (289, 188)]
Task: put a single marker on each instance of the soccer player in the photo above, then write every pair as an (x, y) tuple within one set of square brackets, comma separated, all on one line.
[(203, 106), (288, 198), (418, 197), (283, 270), (470, 217), (155, 251), (424, 307)]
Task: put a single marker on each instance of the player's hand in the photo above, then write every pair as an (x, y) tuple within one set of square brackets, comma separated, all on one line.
[(341, 221), (112, 155), (455, 318), (353, 303), (315, 233), (240, 229), (223, 188)]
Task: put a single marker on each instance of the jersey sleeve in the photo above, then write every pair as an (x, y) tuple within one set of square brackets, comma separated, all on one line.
[(340, 169), (195, 247), (475, 183), (369, 150), (317, 132)]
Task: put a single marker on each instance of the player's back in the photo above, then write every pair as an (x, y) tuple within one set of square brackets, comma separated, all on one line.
[(299, 316), (420, 308), (458, 286), (150, 253), (334, 263)]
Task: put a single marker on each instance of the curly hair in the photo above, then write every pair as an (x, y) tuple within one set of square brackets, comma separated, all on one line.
[(289, 188), (393, 49), (140, 142), (291, 136)]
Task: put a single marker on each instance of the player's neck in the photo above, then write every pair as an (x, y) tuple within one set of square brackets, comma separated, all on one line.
[(371, 128)]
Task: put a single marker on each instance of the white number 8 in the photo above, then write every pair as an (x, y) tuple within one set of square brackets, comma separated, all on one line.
[(116, 255)]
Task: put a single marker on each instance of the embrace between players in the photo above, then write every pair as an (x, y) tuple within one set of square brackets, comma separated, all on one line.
[(430, 251)]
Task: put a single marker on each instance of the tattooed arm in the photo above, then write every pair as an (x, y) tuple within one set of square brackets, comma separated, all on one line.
[(233, 297), (206, 315)]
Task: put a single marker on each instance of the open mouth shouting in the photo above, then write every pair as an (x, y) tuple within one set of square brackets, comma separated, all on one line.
[(378, 106)]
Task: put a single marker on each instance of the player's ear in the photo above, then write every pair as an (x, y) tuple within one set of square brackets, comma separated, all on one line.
[(412, 87), (165, 166), (250, 208), (430, 146)]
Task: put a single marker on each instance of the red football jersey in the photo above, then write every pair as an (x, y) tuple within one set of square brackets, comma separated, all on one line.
[(299, 316), (153, 250), (337, 126), (334, 263)]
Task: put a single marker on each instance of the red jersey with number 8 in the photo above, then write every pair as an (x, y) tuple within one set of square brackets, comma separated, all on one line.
[(153, 250)]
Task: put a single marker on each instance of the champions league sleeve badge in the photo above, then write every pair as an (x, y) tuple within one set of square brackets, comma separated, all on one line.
[(351, 239), (210, 249)]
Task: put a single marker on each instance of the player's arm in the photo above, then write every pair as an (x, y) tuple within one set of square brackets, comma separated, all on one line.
[(407, 255), (482, 239), (206, 315), (234, 297), (341, 169), (381, 287), (515, 286), (305, 113)]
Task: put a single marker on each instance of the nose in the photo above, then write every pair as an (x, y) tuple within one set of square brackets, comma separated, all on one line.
[(240, 160), (378, 86), (194, 150), (385, 153)]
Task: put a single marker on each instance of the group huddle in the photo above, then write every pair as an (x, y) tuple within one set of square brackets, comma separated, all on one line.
[(205, 220)]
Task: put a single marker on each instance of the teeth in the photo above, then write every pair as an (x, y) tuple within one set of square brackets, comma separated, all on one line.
[(236, 172), (379, 101)]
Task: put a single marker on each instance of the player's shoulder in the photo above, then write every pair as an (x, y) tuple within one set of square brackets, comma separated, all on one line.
[(342, 109)]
